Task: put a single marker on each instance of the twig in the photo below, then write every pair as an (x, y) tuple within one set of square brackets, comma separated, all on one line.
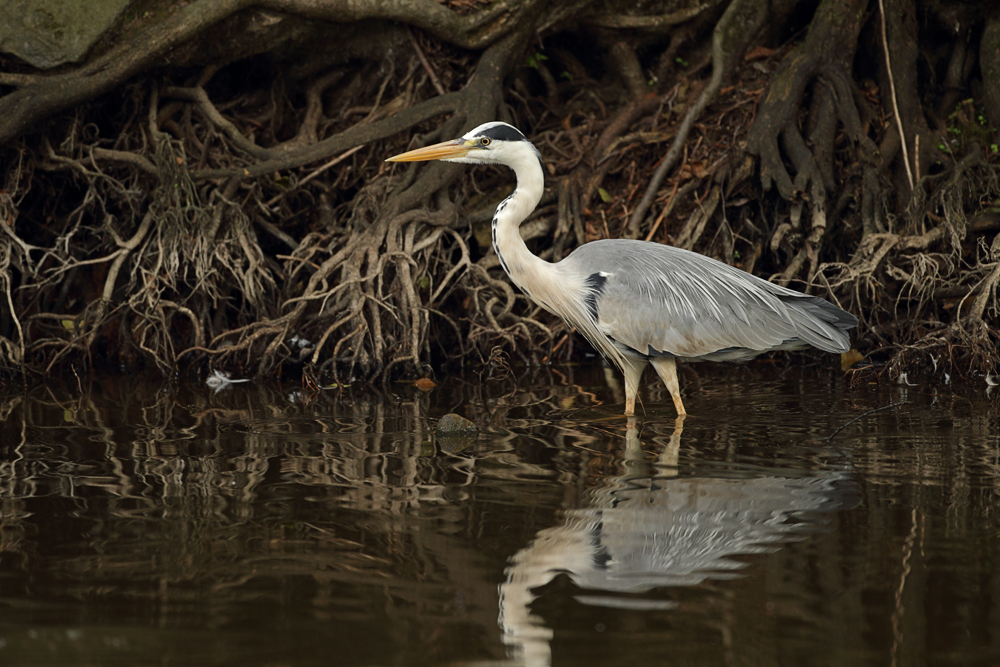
[(201, 99), (79, 385), (7, 226), (987, 287), (199, 340), (137, 161), (734, 13), (335, 161), (332, 328), (355, 136), (674, 197), (278, 234), (895, 104), (423, 60), (463, 263), (652, 23), (862, 416), (124, 248), (13, 316)]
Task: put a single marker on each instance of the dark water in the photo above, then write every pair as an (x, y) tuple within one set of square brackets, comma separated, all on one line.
[(148, 525)]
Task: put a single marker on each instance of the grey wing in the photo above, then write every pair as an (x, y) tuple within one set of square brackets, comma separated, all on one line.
[(659, 300)]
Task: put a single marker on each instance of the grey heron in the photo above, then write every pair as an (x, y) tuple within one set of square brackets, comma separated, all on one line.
[(639, 302)]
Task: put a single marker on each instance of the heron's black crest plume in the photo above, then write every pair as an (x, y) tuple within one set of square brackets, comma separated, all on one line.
[(502, 132)]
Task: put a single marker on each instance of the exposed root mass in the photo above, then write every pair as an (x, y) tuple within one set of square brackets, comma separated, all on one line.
[(237, 213)]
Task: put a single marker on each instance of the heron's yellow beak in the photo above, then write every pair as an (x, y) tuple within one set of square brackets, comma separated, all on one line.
[(442, 151)]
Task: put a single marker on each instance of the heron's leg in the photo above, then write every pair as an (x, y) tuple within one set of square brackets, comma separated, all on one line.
[(666, 368), (633, 373)]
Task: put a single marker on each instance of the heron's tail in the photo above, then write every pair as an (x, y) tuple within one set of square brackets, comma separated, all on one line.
[(820, 323)]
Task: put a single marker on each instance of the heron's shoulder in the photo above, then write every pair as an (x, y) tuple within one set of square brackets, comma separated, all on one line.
[(643, 256)]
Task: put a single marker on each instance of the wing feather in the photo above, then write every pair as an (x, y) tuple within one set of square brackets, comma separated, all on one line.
[(660, 300)]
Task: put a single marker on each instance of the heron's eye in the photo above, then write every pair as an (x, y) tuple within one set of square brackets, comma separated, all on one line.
[(484, 141)]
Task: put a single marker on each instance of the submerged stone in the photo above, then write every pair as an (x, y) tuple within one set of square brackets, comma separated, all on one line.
[(452, 425)]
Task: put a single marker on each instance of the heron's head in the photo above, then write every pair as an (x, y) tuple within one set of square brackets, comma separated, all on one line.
[(490, 143)]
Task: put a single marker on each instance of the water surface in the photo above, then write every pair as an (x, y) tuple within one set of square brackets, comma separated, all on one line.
[(144, 524)]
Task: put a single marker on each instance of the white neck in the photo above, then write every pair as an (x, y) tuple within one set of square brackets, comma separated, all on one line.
[(554, 287), (514, 255)]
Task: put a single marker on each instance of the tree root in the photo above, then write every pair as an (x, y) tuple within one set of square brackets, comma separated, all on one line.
[(823, 59), (133, 232), (41, 97), (732, 37), (378, 270)]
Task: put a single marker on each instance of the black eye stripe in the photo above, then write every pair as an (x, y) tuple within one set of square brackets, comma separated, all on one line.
[(504, 133), (500, 132)]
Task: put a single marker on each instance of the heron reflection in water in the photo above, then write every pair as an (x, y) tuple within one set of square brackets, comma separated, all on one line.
[(648, 530), (638, 302)]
